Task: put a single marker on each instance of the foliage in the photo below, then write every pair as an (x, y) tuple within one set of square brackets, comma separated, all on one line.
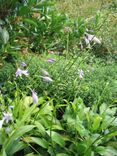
[(97, 85), (61, 99), (34, 128)]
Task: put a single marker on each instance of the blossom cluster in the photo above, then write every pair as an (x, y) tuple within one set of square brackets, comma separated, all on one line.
[(6, 118), (45, 76)]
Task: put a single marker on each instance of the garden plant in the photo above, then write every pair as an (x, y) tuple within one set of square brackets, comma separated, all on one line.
[(58, 81)]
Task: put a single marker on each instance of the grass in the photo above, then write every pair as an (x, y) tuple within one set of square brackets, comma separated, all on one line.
[(88, 9)]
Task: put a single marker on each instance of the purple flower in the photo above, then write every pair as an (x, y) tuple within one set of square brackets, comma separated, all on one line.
[(81, 74), (89, 38), (35, 97), (20, 72), (23, 64), (7, 117), (7, 130), (51, 60), (46, 78), (45, 72)]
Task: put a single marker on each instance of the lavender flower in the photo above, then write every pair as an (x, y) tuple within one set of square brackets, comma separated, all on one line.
[(89, 38), (7, 130), (51, 60), (46, 78), (87, 41), (20, 72), (23, 64), (7, 117), (45, 72), (35, 97), (81, 74)]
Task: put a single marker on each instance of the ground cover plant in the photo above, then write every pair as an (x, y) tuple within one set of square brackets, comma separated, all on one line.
[(58, 83)]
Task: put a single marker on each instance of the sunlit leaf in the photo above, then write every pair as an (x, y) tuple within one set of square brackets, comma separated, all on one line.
[(56, 138)]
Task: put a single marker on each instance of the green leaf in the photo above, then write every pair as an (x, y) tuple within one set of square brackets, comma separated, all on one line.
[(40, 127), (56, 138), (112, 134), (16, 135), (17, 146), (30, 21), (24, 11), (26, 115), (96, 123), (62, 154), (4, 35), (27, 101), (41, 142), (4, 153), (106, 151)]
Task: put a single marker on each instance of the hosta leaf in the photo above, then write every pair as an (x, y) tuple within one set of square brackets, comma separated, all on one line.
[(17, 134), (40, 127), (57, 127), (27, 101), (4, 35), (32, 154), (112, 134), (39, 141), (26, 115), (42, 142), (30, 21), (96, 123), (4, 153), (15, 147), (24, 11), (56, 138), (61, 154), (106, 151)]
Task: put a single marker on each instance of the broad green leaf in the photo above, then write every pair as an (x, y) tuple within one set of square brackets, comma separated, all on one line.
[(57, 127), (4, 35), (56, 138), (106, 151), (40, 127), (107, 121), (96, 123), (32, 154), (26, 115), (62, 154), (112, 134), (27, 101), (30, 21), (15, 147), (4, 153), (42, 142), (17, 134), (39, 141), (24, 11), (47, 109)]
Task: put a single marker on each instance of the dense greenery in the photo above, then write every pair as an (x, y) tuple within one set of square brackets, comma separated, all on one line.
[(58, 84)]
